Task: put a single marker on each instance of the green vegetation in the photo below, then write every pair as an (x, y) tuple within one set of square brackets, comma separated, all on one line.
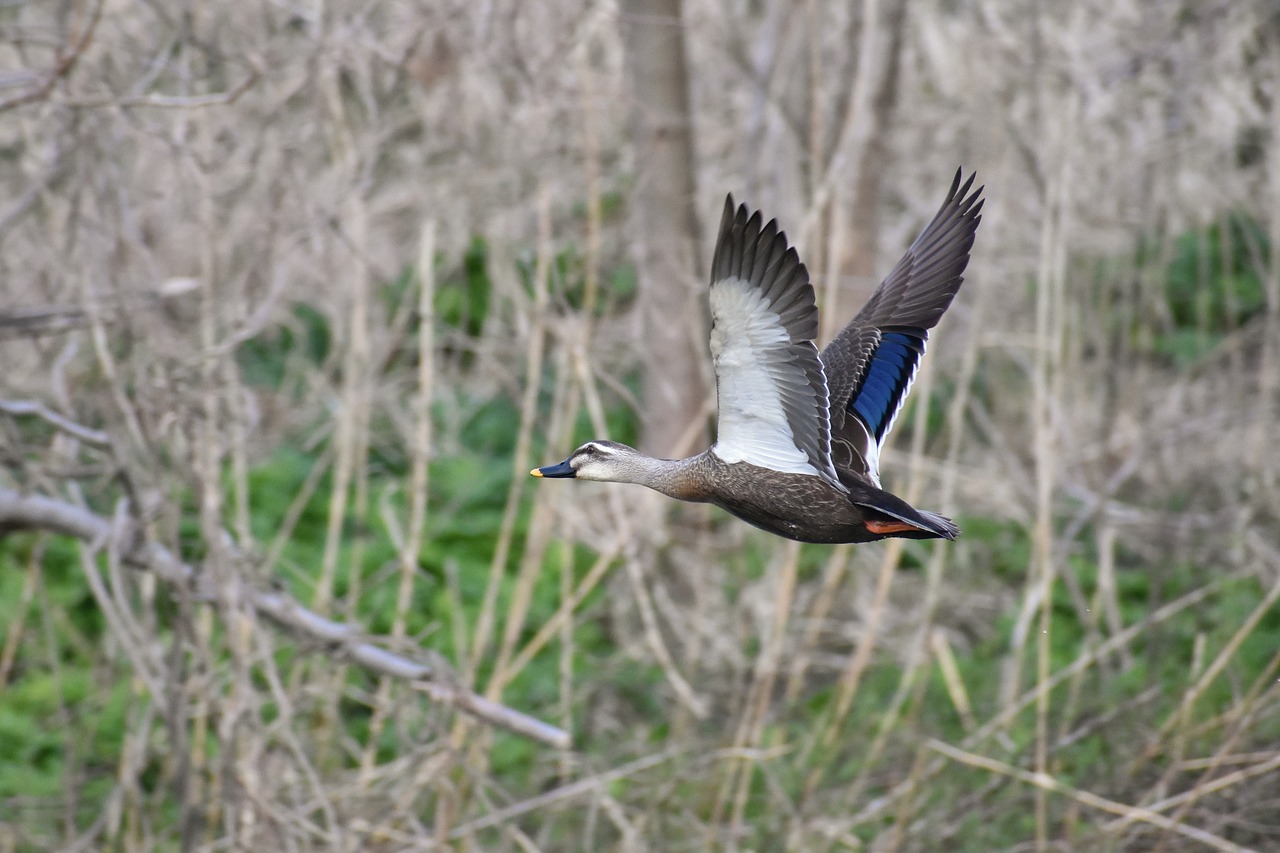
[(67, 710), (42, 704), (1212, 285)]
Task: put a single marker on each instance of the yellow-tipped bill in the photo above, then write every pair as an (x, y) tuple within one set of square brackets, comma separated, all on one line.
[(563, 469)]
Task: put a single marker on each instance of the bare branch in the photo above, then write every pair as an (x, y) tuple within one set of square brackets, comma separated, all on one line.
[(35, 512), (40, 410)]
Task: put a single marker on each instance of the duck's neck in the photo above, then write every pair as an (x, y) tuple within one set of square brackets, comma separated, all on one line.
[(675, 478)]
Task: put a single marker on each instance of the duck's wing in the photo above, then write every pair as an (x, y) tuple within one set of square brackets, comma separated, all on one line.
[(871, 364), (772, 395)]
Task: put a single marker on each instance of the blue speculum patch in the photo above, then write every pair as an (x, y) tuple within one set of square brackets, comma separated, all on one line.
[(888, 375)]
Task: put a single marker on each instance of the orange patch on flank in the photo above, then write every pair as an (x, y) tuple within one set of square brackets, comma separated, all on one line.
[(884, 527)]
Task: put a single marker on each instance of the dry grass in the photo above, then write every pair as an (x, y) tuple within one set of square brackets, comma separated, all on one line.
[(201, 650)]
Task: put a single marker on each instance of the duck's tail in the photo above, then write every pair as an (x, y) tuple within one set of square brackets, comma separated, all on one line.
[(892, 516), (941, 526)]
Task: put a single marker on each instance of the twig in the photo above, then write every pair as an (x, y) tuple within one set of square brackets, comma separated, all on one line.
[(66, 61), (168, 101), (1224, 657), (1226, 780), (35, 512), (1045, 782), (70, 427), (495, 713), (754, 715), (534, 351), (565, 792), (1009, 710)]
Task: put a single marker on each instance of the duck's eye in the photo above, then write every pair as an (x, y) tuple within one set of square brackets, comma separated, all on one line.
[(589, 450)]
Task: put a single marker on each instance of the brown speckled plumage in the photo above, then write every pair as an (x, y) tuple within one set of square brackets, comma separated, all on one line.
[(794, 506)]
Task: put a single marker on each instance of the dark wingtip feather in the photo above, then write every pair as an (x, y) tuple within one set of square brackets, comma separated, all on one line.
[(966, 199)]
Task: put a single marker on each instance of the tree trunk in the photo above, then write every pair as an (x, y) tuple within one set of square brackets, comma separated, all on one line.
[(857, 261), (664, 232)]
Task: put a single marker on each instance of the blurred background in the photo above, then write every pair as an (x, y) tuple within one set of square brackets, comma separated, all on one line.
[(299, 292)]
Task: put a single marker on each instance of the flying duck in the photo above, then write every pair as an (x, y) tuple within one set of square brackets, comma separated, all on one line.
[(799, 433)]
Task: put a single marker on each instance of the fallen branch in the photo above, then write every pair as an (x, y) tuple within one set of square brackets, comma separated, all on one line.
[(35, 512)]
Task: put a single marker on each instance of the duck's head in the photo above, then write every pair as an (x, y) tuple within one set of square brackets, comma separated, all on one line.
[(607, 461)]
